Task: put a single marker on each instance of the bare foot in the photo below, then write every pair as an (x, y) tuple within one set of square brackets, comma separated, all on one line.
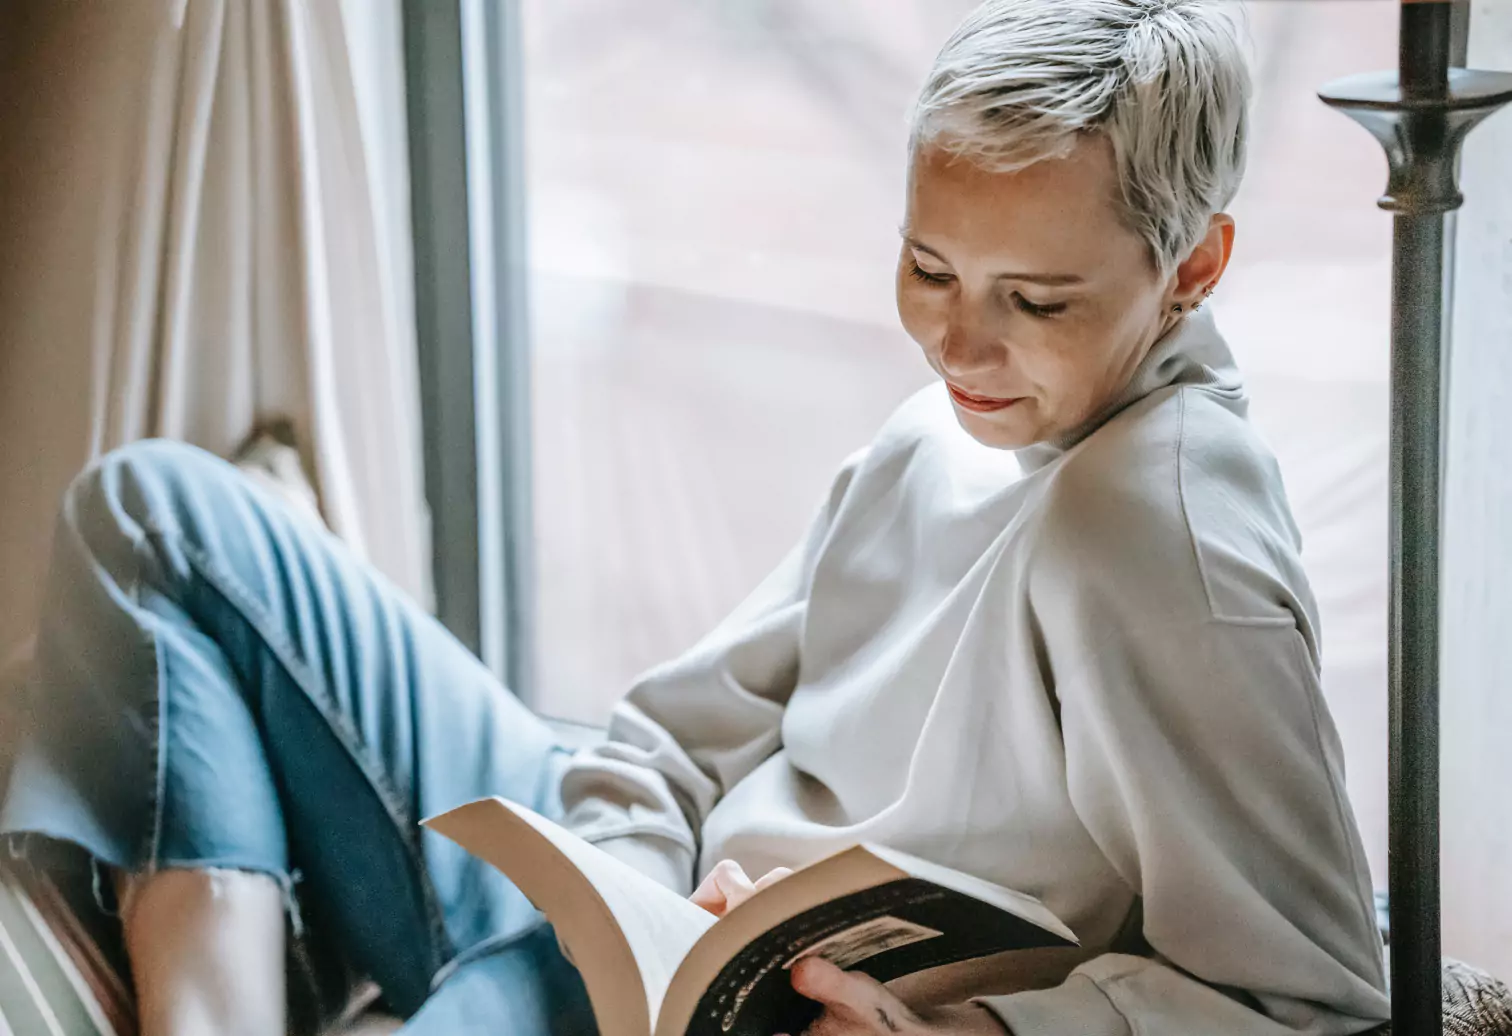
[(369, 1025)]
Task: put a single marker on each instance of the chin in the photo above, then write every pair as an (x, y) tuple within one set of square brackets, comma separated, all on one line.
[(997, 432)]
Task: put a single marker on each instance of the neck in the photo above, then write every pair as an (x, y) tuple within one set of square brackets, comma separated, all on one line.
[(1187, 349)]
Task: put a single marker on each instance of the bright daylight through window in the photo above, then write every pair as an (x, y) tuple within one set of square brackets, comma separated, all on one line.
[(713, 197)]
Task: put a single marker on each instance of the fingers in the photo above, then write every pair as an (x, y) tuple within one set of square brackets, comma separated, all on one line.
[(733, 882), (853, 1002), (708, 896), (772, 877), (726, 887), (840, 991)]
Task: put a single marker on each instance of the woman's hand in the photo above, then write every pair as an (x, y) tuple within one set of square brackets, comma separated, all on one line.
[(859, 1005), (728, 886)]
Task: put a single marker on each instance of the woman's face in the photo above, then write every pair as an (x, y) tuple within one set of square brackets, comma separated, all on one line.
[(1027, 293)]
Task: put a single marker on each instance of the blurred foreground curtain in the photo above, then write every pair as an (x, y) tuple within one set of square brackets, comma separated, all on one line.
[(203, 228)]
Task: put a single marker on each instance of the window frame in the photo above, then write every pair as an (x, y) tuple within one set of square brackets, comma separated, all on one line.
[(462, 63)]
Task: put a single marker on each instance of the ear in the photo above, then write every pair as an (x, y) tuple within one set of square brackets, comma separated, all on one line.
[(1201, 271)]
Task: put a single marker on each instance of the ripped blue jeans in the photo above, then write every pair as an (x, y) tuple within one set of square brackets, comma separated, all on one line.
[(219, 683)]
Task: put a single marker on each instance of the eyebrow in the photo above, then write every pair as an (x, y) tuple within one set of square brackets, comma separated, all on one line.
[(1032, 278)]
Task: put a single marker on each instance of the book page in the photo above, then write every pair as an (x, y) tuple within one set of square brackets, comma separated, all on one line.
[(1011, 971), (660, 926), (1007, 900), (614, 921)]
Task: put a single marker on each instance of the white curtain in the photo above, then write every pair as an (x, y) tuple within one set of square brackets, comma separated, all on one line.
[(204, 217)]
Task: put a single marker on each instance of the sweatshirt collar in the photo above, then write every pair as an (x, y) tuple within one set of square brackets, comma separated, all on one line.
[(1191, 353)]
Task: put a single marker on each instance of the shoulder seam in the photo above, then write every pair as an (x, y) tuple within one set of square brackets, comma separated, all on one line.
[(1214, 615), (1181, 502)]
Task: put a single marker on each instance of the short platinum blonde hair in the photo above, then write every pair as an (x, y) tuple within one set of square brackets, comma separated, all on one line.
[(1165, 81)]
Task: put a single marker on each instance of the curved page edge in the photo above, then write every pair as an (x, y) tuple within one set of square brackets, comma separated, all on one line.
[(539, 870)]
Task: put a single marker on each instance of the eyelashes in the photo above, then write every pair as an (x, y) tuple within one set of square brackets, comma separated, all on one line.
[(1020, 303), (920, 274), (1024, 305)]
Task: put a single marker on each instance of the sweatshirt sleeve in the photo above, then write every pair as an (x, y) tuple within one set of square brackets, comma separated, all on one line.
[(1201, 759), (691, 729)]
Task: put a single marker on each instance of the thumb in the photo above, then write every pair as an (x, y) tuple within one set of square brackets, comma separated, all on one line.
[(849, 995)]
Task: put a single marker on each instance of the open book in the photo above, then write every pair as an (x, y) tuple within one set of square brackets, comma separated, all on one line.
[(656, 965)]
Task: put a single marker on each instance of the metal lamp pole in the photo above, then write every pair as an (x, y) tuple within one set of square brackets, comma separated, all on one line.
[(1421, 115)]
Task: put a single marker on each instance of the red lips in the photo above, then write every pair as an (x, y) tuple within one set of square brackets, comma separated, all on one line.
[(980, 404)]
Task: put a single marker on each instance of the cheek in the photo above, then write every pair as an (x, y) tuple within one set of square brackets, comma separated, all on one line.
[(1071, 370), (1066, 366), (1088, 367), (922, 314)]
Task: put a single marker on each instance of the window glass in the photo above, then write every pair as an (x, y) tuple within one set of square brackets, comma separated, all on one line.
[(714, 190)]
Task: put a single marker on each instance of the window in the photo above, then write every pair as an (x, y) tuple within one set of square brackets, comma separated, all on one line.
[(713, 192)]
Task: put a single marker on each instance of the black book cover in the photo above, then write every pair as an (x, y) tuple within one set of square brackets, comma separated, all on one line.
[(887, 931)]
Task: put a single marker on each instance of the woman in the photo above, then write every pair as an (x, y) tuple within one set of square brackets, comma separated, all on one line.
[(1050, 628)]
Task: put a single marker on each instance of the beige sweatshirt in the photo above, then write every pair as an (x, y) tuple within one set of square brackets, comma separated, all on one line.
[(1085, 670)]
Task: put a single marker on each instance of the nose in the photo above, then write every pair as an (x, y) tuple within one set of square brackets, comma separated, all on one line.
[(968, 348)]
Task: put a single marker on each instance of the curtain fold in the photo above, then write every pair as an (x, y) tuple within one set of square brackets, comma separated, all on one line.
[(198, 238)]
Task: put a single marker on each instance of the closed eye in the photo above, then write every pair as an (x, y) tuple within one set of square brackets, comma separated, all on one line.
[(1034, 310), (921, 274)]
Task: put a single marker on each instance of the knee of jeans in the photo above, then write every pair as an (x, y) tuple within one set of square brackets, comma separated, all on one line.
[(129, 479), (152, 458)]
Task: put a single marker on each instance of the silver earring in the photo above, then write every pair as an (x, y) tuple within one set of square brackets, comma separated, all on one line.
[(1207, 293), (1176, 308)]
